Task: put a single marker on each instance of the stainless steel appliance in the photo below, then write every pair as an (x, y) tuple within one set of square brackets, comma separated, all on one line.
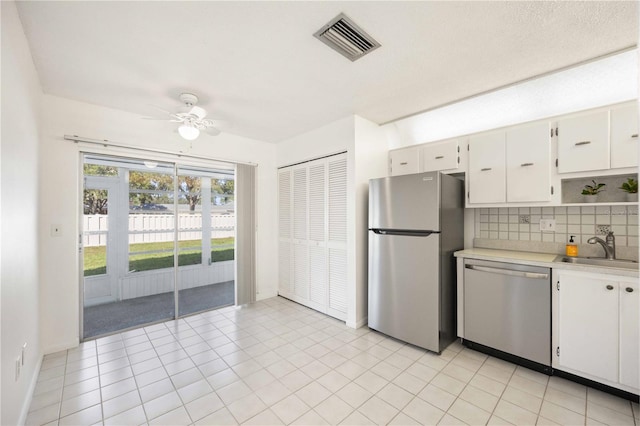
[(416, 222), (508, 307)]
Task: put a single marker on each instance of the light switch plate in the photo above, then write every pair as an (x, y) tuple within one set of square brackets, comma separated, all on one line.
[(547, 225)]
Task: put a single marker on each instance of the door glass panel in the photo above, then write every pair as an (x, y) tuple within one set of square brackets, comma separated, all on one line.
[(223, 217), (95, 229), (189, 220), (151, 220), (208, 202)]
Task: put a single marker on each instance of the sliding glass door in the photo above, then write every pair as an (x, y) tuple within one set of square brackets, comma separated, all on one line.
[(206, 233), (162, 231)]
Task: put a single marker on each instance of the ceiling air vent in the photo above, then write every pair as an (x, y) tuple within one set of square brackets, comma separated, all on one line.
[(346, 38)]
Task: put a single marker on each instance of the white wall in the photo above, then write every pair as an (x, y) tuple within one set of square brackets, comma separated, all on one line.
[(371, 148), (366, 147), (59, 181), (21, 96)]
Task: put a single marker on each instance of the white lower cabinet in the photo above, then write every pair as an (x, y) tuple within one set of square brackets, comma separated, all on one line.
[(595, 327), (629, 334)]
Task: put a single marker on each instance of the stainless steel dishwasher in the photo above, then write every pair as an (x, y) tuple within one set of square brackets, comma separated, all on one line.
[(508, 307)]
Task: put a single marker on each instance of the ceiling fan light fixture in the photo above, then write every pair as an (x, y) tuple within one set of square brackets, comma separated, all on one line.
[(188, 132)]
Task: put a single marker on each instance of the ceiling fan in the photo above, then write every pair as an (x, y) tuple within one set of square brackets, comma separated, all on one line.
[(193, 120)]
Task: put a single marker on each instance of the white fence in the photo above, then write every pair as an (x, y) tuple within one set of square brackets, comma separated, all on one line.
[(147, 228)]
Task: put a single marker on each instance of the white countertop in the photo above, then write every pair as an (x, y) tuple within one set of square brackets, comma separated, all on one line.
[(538, 259)]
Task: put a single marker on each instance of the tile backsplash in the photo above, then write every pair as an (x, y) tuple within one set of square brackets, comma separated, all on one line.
[(523, 223)]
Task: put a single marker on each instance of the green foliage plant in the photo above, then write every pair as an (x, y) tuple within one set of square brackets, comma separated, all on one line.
[(593, 189), (630, 186)]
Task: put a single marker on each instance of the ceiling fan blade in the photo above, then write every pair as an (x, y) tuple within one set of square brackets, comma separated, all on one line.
[(212, 131), (198, 112), (160, 109), (209, 122)]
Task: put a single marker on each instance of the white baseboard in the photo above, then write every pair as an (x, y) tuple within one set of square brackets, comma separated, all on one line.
[(360, 323), (61, 346), (24, 411)]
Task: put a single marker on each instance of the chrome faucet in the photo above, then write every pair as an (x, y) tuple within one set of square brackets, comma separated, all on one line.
[(609, 246)]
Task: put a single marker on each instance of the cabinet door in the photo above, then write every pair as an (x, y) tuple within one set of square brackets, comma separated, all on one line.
[(440, 156), (528, 163), (405, 161), (318, 283), (624, 137), (629, 334), (337, 237), (300, 248), (487, 168), (588, 325), (583, 143), (284, 232)]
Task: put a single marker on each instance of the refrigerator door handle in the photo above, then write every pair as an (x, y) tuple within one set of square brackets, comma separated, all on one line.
[(406, 233)]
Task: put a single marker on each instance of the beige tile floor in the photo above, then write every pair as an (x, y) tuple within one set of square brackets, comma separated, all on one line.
[(276, 362)]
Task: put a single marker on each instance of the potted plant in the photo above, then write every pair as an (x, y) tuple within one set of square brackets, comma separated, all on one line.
[(590, 192), (631, 188)]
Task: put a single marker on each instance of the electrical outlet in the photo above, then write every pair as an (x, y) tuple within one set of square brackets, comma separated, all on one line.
[(603, 229), (547, 225)]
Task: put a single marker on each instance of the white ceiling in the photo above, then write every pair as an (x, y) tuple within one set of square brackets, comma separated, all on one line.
[(257, 65)]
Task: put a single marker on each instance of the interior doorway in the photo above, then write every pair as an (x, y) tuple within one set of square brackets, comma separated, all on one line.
[(158, 242)]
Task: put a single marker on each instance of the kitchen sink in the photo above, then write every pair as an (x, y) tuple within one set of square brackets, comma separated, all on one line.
[(599, 261)]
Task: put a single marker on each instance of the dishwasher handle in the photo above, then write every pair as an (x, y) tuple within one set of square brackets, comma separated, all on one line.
[(511, 272)]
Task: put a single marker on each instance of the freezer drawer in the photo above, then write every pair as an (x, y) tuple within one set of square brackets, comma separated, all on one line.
[(404, 288), (508, 307)]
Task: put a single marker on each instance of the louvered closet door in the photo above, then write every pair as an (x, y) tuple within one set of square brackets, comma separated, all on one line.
[(300, 233), (337, 238), (284, 232), (318, 283)]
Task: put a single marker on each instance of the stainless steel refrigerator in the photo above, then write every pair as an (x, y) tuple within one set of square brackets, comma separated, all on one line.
[(416, 222)]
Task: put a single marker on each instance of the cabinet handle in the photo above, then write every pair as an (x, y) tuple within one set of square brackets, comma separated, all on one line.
[(635, 135), (629, 290), (583, 143), (486, 169), (526, 164), (609, 287), (403, 163), (439, 157)]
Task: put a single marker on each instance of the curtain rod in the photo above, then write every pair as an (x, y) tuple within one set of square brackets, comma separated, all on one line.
[(107, 143)]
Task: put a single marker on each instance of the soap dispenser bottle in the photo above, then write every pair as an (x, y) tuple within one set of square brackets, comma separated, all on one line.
[(572, 247)]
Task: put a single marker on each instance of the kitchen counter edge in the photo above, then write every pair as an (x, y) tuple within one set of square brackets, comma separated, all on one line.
[(539, 259)]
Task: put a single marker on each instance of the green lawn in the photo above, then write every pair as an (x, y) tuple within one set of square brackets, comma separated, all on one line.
[(95, 258)]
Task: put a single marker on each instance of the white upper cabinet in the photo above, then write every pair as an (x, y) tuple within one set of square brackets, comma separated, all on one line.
[(441, 156), (528, 163), (404, 161), (583, 142), (624, 136), (487, 171)]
